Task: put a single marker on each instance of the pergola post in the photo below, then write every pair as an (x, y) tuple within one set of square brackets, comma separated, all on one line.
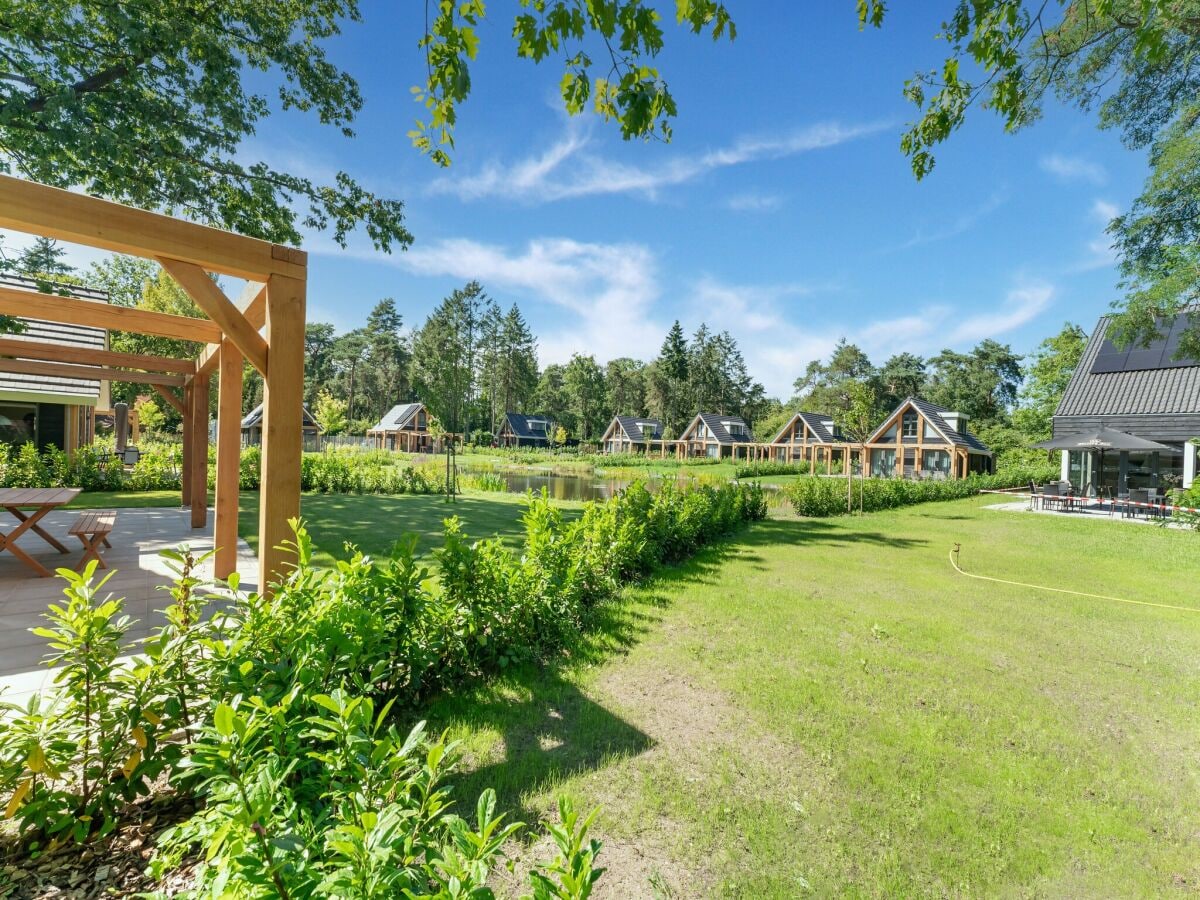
[(185, 474), (229, 453), (283, 388), (199, 475)]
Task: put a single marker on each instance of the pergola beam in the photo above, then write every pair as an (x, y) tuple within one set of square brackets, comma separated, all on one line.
[(171, 397), (19, 349), (67, 216), (253, 304), (69, 310), (210, 298), (96, 373)]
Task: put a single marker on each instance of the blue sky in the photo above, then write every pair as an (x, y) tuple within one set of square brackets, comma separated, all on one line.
[(783, 210)]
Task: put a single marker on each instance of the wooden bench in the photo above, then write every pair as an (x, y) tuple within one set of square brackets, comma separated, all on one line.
[(92, 529)]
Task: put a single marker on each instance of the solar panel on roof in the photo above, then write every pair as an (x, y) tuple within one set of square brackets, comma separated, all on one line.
[(1160, 353)]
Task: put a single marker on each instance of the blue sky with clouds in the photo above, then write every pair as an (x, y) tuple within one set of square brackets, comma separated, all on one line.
[(783, 210)]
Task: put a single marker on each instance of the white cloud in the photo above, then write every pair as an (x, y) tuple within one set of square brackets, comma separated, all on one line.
[(752, 201), (1073, 168), (1104, 212), (1021, 304), (964, 222), (609, 288), (566, 170), (611, 295)]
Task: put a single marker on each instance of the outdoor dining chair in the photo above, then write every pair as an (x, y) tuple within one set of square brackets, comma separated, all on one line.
[(1136, 496), (1050, 495)]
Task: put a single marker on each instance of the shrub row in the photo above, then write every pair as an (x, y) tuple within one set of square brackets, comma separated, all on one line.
[(91, 468), (820, 497), (278, 716), (350, 472), (772, 467)]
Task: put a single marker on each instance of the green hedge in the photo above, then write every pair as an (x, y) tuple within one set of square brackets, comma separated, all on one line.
[(773, 467), (821, 497), (277, 719)]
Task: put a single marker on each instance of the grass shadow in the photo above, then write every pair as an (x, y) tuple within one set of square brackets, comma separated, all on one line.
[(550, 731)]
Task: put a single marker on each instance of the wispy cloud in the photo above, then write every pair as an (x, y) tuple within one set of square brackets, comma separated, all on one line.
[(753, 201), (612, 300), (959, 225), (609, 289), (1099, 252), (1073, 168), (567, 170)]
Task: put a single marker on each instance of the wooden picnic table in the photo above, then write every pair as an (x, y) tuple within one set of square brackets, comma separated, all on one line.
[(41, 501)]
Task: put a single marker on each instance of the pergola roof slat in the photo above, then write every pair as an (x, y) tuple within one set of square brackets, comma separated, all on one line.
[(53, 308), (99, 373), (22, 349)]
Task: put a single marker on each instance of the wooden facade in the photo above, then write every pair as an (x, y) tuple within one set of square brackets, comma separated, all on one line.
[(811, 438), (634, 434), (923, 440), (716, 436), (404, 428), (266, 327), (521, 430)]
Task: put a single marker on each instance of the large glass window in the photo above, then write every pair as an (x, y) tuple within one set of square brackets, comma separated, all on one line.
[(18, 423), (883, 463), (909, 425), (935, 461)]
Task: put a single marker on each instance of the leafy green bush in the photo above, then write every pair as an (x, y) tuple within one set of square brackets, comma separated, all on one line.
[(820, 497), (278, 717)]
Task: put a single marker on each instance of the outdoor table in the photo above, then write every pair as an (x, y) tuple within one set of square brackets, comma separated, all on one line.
[(41, 501)]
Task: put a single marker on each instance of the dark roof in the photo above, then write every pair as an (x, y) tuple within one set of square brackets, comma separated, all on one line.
[(933, 414), (531, 427), (397, 417), (1171, 390), (86, 389), (822, 427), (640, 429), (716, 424), (253, 419)]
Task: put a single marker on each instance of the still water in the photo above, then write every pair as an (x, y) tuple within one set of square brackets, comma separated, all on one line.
[(589, 486)]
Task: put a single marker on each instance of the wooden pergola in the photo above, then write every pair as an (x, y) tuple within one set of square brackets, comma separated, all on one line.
[(265, 327)]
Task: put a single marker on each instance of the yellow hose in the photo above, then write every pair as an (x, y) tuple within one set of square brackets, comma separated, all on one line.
[(1039, 587)]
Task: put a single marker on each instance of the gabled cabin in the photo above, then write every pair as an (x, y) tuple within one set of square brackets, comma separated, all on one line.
[(252, 424), (520, 430), (49, 410), (809, 437), (404, 427), (1144, 389), (715, 436), (923, 440), (632, 434)]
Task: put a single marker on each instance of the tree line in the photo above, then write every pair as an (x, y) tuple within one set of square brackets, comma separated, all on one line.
[(472, 361)]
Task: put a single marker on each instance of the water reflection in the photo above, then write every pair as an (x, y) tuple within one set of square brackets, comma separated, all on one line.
[(590, 486)]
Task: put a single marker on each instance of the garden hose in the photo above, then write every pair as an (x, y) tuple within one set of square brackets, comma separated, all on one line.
[(1041, 587)]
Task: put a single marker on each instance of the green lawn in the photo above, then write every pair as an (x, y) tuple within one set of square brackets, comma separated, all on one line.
[(372, 522), (827, 706)]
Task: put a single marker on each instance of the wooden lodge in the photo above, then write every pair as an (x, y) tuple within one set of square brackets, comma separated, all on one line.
[(812, 438), (520, 430), (252, 426), (404, 427), (49, 410), (922, 440), (716, 436), (633, 434)]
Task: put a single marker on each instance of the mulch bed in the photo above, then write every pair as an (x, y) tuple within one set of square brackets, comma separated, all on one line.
[(114, 866)]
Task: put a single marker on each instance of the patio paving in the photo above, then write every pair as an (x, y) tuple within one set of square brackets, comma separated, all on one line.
[(138, 575), (1100, 513)]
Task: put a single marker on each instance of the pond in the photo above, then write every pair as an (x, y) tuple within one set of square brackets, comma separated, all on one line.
[(571, 486)]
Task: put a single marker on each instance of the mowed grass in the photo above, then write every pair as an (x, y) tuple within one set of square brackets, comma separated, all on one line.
[(825, 706)]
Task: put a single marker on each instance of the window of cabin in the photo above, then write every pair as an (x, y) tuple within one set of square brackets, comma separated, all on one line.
[(889, 435), (18, 423), (931, 432), (909, 425)]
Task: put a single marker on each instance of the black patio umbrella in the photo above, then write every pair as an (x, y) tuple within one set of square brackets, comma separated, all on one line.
[(1100, 441)]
